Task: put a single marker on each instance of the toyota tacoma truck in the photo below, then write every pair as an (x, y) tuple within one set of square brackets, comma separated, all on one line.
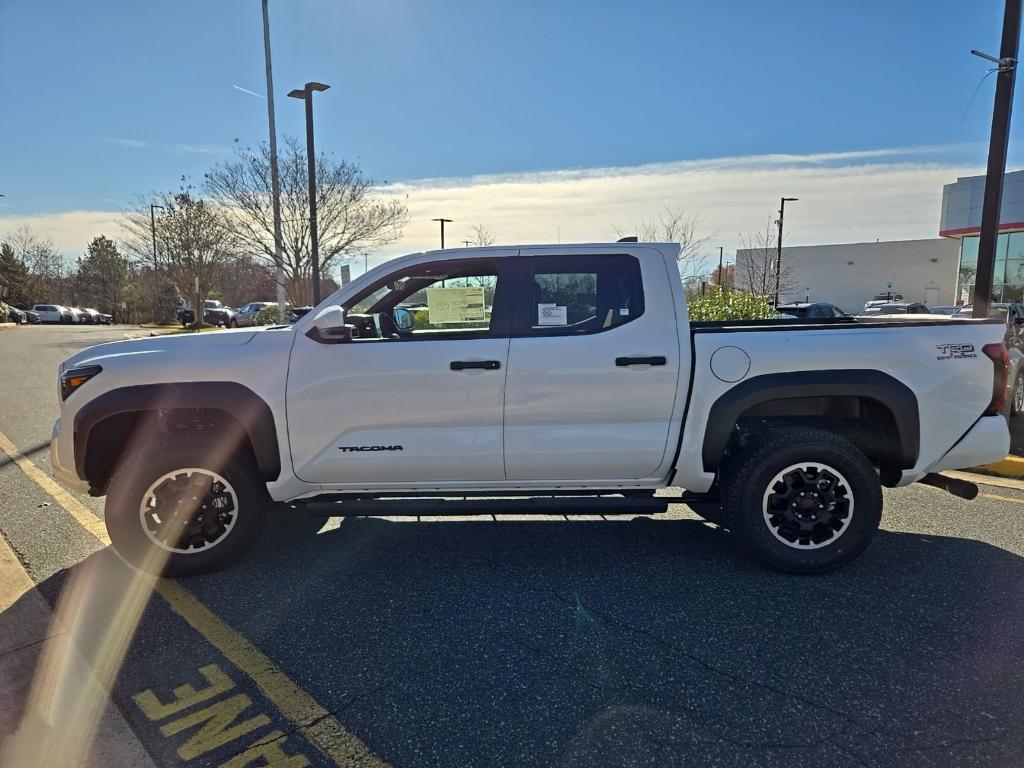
[(541, 379)]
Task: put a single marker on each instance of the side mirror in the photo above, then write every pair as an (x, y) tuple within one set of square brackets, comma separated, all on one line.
[(403, 318), (329, 327)]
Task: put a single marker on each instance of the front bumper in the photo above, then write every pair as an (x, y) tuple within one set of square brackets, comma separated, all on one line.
[(62, 460)]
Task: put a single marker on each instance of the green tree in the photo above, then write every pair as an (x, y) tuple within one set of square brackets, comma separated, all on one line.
[(14, 277), (104, 278)]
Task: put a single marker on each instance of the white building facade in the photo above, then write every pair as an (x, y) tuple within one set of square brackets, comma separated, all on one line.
[(848, 274)]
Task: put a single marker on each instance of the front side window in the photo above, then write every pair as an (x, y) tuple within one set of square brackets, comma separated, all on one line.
[(455, 299), (579, 294)]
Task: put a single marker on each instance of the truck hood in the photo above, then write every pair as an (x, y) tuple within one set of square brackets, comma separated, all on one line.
[(190, 343)]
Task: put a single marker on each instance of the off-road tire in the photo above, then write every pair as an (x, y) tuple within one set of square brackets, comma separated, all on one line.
[(746, 486), (142, 468)]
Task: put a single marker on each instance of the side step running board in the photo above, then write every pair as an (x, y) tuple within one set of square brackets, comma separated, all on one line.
[(545, 505)]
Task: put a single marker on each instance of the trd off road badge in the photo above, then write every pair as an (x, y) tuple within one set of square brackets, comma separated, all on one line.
[(955, 351)]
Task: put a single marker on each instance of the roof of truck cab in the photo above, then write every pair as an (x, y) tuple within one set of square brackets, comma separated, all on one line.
[(545, 249)]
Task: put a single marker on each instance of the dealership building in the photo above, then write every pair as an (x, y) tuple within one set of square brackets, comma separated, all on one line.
[(936, 271), (961, 222)]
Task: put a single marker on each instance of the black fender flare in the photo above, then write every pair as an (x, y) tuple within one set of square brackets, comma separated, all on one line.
[(248, 408), (891, 393)]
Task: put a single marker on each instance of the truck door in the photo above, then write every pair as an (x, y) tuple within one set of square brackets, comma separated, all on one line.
[(422, 405), (593, 367)]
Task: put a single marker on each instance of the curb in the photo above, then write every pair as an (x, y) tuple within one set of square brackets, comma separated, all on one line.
[(1011, 466), (5, 326)]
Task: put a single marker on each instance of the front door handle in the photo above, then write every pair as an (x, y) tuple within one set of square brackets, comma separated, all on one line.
[(653, 360), (465, 365)]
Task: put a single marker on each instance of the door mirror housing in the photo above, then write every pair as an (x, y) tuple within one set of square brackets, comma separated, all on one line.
[(403, 318), (329, 327)]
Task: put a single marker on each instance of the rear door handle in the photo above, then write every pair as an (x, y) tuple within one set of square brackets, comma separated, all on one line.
[(653, 360), (465, 365)]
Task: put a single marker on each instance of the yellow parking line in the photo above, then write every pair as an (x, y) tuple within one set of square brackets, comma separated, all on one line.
[(14, 580), (311, 719), (997, 497)]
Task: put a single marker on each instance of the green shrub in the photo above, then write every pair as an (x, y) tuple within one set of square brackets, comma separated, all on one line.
[(268, 316), (736, 305)]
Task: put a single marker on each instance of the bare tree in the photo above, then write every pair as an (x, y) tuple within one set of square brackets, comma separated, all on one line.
[(481, 234), (193, 240), (48, 269), (674, 225), (755, 263), (351, 218)]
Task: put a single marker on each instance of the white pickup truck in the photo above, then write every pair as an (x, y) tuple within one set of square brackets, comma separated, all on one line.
[(555, 379)]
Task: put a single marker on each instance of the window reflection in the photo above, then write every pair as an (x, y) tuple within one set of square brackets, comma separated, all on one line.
[(1008, 276)]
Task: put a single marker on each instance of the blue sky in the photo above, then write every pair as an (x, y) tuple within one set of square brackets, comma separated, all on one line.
[(105, 100)]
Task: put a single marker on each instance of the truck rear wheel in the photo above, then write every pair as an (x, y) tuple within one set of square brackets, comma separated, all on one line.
[(803, 500), (180, 507)]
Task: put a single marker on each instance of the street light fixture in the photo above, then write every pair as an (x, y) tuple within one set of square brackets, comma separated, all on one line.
[(449, 221), (156, 273), (778, 256), (306, 94)]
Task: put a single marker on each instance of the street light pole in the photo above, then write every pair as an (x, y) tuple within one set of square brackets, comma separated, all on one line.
[(999, 138), (275, 178), (442, 229), (306, 94), (721, 249), (778, 255), (156, 273)]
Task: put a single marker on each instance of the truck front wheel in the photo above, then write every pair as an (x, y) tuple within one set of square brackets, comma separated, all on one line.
[(802, 500), (180, 507)]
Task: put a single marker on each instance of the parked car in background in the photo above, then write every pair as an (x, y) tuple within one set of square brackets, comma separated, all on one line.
[(804, 310), (9, 314), (32, 318), (948, 309), (904, 308), (96, 317), (78, 315), (246, 316), (214, 313), (53, 313), (886, 297), (1012, 314), (297, 313)]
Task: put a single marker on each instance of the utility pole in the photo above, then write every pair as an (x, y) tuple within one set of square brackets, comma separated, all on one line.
[(1006, 73), (778, 245), (442, 229), (466, 243), (306, 94), (720, 251), (275, 179), (156, 273)]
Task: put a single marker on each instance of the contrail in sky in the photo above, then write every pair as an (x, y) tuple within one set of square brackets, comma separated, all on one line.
[(246, 90)]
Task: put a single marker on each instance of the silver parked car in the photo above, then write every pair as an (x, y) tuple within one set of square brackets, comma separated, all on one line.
[(247, 315)]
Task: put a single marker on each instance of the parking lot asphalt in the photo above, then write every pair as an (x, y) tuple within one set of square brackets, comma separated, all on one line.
[(546, 641)]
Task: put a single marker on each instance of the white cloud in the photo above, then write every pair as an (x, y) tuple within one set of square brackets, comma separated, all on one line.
[(203, 149), (70, 231), (886, 194), (133, 143)]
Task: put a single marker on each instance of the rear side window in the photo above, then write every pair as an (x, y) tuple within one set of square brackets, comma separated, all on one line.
[(564, 295)]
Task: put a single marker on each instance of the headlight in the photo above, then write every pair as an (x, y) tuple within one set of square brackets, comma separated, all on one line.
[(76, 377)]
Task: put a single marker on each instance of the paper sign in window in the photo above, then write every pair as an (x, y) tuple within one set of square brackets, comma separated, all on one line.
[(455, 305), (552, 314)]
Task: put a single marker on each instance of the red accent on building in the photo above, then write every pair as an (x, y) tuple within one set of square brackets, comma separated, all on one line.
[(1007, 227)]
